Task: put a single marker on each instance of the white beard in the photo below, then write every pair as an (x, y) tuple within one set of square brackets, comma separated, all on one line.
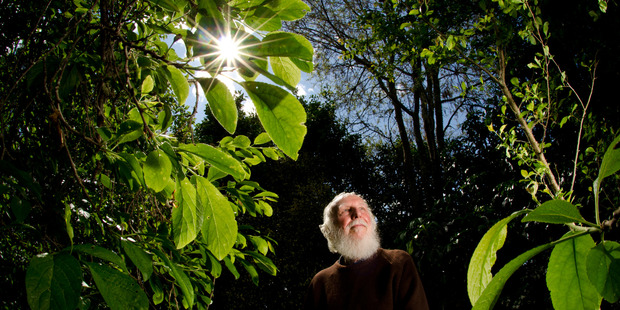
[(353, 249)]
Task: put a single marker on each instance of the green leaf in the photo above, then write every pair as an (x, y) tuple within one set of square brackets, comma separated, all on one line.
[(182, 281), (133, 164), (157, 169), (139, 257), (491, 293), (219, 228), (264, 263), (129, 131), (101, 253), (147, 85), (184, 218), (603, 266), (289, 9), (305, 66), (262, 138), (53, 282), (611, 160), (231, 267), (251, 270), (119, 290), (221, 103), (555, 212), (281, 114), (285, 44), (217, 158), (179, 83), (479, 271), (285, 69), (68, 226), (264, 19), (567, 278)]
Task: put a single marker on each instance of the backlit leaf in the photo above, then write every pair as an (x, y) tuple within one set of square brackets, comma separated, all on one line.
[(221, 103), (555, 212), (567, 278), (217, 158), (179, 83), (281, 114), (184, 218), (157, 169), (479, 271), (219, 228), (285, 69), (491, 293)]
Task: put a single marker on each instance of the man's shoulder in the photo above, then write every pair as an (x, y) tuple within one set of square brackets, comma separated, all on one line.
[(395, 256)]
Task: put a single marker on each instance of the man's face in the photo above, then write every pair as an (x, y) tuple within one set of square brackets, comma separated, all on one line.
[(354, 218)]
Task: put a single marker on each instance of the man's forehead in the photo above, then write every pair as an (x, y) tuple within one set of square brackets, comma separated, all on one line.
[(351, 201)]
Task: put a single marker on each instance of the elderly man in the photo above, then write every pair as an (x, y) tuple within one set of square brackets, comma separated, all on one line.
[(366, 276)]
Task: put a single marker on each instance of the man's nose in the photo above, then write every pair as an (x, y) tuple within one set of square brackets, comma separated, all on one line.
[(353, 213)]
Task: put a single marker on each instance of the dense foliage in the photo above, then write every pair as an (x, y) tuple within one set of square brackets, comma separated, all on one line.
[(108, 205)]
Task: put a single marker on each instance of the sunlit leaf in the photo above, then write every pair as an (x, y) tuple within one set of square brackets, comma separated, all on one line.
[(219, 228), (567, 278), (284, 68), (219, 159), (179, 83), (285, 44), (491, 293), (53, 282), (157, 169), (479, 271), (221, 103), (555, 212), (281, 114), (184, 217)]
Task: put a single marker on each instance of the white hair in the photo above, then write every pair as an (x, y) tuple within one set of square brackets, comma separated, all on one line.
[(337, 242)]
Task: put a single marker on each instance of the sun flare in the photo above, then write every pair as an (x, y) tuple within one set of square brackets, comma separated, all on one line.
[(229, 50)]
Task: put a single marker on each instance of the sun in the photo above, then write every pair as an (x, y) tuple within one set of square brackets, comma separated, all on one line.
[(228, 50)]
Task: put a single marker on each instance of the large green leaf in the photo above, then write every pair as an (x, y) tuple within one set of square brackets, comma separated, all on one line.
[(567, 278), (285, 44), (53, 282), (221, 103), (285, 69), (219, 228), (491, 293), (289, 9), (179, 275), (157, 169), (603, 266), (179, 83), (555, 212), (118, 289), (479, 272), (139, 257), (281, 114), (217, 158), (184, 218), (101, 253)]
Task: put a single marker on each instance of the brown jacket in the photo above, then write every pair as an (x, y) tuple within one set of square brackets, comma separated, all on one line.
[(387, 280)]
